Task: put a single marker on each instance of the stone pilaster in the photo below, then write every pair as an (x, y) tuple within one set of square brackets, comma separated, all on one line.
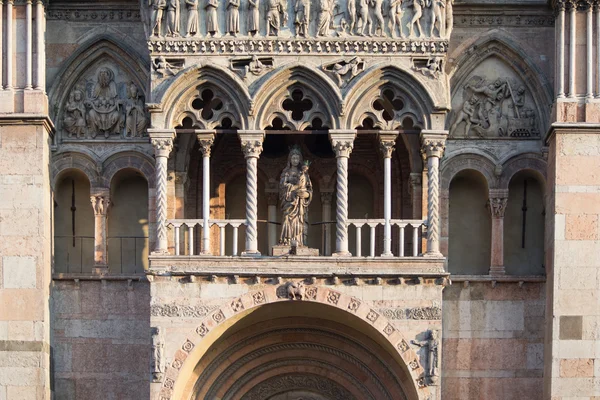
[(252, 147), (433, 146), (162, 141)]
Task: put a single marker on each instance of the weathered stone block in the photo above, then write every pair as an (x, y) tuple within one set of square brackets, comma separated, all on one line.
[(18, 272), (577, 368), (571, 327)]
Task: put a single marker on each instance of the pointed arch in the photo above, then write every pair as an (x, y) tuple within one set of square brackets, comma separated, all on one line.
[(275, 85), (172, 100)]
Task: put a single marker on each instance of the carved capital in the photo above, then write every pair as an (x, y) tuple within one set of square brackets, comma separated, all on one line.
[(498, 206), (100, 204), (342, 142), (272, 198), (433, 144), (162, 147), (386, 143), (326, 198), (206, 141)]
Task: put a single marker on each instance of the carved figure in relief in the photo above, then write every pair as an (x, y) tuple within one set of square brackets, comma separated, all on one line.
[(74, 119), (396, 13), (296, 290), (212, 22), (173, 18), (158, 8), (345, 69), (254, 65), (276, 9), (416, 19), (436, 16), (233, 17), (193, 25), (449, 18), (295, 195), (364, 18), (104, 107), (467, 114), (253, 17), (432, 344), (157, 362), (432, 68), (301, 19), (163, 67), (324, 17), (135, 116), (352, 15), (378, 13)]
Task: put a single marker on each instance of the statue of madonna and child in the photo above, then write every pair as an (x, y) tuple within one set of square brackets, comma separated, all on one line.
[(295, 195)]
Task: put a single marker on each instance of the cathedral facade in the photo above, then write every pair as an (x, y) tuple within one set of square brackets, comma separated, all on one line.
[(300, 199)]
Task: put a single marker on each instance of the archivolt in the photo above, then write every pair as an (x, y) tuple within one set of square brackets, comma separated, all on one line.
[(463, 162), (522, 162), (64, 162)]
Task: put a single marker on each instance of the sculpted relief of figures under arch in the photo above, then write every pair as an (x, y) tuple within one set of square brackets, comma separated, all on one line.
[(300, 18), (104, 103)]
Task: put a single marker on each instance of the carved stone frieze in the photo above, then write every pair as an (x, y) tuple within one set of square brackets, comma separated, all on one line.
[(471, 20), (417, 313), (180, 310), (93, 15), (254, 65)]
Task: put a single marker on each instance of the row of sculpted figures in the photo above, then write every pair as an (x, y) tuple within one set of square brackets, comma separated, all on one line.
[(382, 18)]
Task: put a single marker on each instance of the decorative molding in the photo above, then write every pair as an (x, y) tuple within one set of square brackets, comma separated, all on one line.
[(488, 20), (180, 310), (94, 15), (268, 388), (417, 313)]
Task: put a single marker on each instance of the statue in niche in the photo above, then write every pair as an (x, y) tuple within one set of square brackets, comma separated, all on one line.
[(276, 16), (158, 9), (157, 363), (301, 19), (164, 68), (233, 17), (431, 67), (432, 344), (364, 17), (495, 109), (193, 25), (74, 118), (352, 15), (345, 69), (378, 13), (295, 195), (135, 115), (324, 17), (253, 17), (396, 13), (173, 18), (449, 18), (436, 16), (104, 107), (416, 19), (212, 22)]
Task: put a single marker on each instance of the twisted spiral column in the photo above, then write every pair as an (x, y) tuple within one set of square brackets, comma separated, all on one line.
[(433, 146), (252, 147), (342, 144), (163, 144)]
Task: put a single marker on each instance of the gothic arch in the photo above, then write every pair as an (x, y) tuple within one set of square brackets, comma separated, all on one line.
[(418, 102), (64, 162), (316, 86), (528, 161), (176, 384), (128, 160), (180, 93), (462, 162), (89, 55), (498, 44)]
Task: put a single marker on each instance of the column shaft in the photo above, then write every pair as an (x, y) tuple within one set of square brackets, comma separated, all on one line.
[(386, 145), (1, 44), (326, 198), (342, 144), (9, 45), (597, 10), (498, 201), (29, 45), (252, 147), (163, 144), (100, 205), (572, 46), (40, 68), (272, 197), (206, 141), (561, 52), (434, 144), (590, 61)]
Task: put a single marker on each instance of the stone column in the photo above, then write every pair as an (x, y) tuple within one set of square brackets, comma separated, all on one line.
[(100, 204), (9, 45), (206, 141), (561, 49), (433, 146), (252, 147), (597, 12), (572, 46), (162, 141), (272, 199), (416, 192), (1, 45), (387, 140), (342, 142), (40, 76), (498, 201), (589, 47), (28, 45), (326, 199)]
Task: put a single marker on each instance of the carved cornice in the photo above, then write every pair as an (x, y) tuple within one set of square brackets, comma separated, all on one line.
[(292, 46), (93, 14)]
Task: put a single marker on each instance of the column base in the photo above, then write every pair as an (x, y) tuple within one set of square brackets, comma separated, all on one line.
[(100, 270), (342, 254), (160, 253), (497, 271), (388, 255), (251, 253), (433, 254)]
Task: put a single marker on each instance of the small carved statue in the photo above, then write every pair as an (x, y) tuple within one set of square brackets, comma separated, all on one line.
[(436, 16), (352, 15), (378, 13), (301, 20), (364, 17), (212, 22), (173, 18), (255, 67), (296, 290), (193, 25), (396, 13), (253, 17), (295, 195), (233, 17), (74, 118), (104, 107), (157, 362), (324, 17), (467, 114), (276, 9), (432, 345), (432, 69), (164, 68), (416, 19), (345, 69), (135, 116), (449, 18), (158, 8)]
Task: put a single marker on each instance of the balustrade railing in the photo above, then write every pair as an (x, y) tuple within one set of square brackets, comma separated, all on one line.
[(415, 227), (127, 254), (188, 225), (73, 254)]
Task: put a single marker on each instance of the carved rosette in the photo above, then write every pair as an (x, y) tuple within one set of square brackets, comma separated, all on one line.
[(498, 206)]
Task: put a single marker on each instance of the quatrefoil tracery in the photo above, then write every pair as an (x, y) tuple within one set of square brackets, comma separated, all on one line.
[(208, 110), (298, 110)]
